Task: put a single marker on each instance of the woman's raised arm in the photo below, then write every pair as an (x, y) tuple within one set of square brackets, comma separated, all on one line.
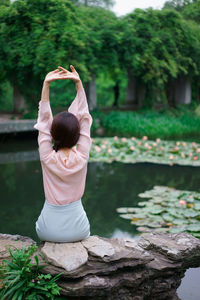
[(45, 116), (79, 107), (44, 122)]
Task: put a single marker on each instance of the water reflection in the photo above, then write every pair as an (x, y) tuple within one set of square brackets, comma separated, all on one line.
[(108, 186)]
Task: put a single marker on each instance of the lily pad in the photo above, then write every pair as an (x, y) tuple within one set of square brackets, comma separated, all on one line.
[(166, 210), (156, 211), (138, 150), (194, 228)]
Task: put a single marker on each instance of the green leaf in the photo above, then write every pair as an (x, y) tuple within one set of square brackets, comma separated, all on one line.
[(166, 214), (12, 290), (194, 228)]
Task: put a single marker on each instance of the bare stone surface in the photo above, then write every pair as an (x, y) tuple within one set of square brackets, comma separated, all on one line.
[(69, 256), (175, 246), (99, 268), (98, 247)]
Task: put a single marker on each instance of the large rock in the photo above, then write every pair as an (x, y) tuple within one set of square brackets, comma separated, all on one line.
[(122, 268)]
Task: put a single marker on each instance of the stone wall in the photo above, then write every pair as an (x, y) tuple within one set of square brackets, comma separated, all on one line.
[(17, 126)]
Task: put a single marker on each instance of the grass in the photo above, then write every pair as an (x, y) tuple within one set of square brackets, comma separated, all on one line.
[(167, 124)]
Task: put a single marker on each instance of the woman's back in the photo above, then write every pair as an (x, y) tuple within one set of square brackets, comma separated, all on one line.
[(64, 175)]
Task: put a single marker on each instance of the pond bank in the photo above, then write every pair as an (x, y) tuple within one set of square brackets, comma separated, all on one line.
[(12, 126)]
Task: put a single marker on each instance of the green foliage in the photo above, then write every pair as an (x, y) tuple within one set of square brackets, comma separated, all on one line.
[(192, 11), (99, 38), (177, 4), (34, 40), (105, 88), (175, 123), (30, 115), (102, 3), (5, 3), (6, 96), (167, 210), (157, 46), (22, 280)]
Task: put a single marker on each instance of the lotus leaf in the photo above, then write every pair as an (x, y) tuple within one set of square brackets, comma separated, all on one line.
[(156, 211), (177, 229), (194, 227), (167, 217), (197, 206), (166, 211), (121, 151), (127, 216), (191, 213), (180, 221)]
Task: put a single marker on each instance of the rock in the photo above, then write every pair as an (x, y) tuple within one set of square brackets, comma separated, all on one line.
[(9, 241), (69, 256), (99, 260), (98, 247), (177, 247), (122, 268)]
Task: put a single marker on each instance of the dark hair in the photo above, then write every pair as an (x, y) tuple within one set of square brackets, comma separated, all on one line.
[(65, 130)]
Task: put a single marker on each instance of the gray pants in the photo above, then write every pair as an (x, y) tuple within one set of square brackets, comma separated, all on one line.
[(63, 223)]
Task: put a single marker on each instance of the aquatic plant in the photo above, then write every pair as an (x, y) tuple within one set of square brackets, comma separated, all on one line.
[(167, 210), (132, 150)]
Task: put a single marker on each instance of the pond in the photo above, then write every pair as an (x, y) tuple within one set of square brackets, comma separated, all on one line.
[(108, 186)]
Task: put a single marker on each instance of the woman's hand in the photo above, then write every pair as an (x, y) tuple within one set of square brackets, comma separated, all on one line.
[(70, 75), (51, 76), (62, 74)]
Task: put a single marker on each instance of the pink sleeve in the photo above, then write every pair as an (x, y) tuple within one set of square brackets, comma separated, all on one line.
[(79, 108), (43, 124)]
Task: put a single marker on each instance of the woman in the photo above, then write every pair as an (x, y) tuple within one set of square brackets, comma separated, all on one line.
[(64, 168)]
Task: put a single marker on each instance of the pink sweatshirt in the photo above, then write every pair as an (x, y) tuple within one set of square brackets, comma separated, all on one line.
[(64, 178)]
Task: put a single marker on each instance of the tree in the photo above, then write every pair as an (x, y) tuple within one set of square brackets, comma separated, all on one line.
[(99, 37), (192, 11), (36, 36), (158, 45), (100, 3), (5, 3), (177, 4)]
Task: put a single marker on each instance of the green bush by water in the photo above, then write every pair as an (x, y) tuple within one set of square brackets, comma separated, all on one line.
[(179, 123)]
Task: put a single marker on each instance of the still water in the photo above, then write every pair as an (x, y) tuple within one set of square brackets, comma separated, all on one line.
[(108, 186)]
